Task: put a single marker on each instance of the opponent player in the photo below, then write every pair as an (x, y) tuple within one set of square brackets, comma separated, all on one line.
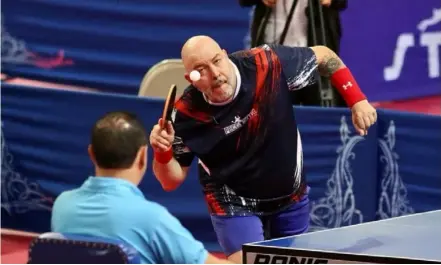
[(238, 120)]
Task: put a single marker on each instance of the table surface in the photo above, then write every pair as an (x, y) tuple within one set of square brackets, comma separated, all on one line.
[(415, 236)]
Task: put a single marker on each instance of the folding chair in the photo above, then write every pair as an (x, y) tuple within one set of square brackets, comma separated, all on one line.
[(161, 76), (56, 248)]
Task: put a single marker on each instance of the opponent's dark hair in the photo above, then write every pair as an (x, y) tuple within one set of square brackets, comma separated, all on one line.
[(116, 139)]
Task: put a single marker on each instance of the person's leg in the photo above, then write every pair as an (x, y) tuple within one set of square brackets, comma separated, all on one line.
[(292, 221), (233, 232)]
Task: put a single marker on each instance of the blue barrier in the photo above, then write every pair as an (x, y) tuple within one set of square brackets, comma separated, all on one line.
[(393, 171), (110, 45)]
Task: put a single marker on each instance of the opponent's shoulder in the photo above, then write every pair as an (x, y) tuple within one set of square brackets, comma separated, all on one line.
[(157, 214), (135, 214), (66, 197), (154, 209)]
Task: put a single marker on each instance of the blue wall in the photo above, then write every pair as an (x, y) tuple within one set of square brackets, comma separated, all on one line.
[(393, 171)]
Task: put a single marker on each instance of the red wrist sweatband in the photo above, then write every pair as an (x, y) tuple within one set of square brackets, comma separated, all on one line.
[(346, 85), (164, 157)]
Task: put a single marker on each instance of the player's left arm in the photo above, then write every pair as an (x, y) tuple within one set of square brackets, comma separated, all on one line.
[(303, 65), (330, 65)]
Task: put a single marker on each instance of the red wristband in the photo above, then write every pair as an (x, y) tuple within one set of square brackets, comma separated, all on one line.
[(346, 85), (164, 157)]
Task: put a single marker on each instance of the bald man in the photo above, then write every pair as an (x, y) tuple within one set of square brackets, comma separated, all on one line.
[(238, 120)]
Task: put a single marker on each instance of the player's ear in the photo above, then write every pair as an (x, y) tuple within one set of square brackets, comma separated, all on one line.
[(187, 77)]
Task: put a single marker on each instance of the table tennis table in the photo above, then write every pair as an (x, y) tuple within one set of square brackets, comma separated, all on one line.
[(414, 238)]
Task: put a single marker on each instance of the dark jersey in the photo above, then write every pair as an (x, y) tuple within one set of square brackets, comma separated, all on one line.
[(249, 150)]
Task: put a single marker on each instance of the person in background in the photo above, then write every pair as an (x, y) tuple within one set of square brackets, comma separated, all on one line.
[(110, 204), (270, 18)]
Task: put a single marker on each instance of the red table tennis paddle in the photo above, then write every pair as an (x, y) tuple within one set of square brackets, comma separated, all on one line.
[(168, 107)]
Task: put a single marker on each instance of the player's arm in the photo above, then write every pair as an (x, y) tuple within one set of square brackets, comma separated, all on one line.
[(327, 60), (300, 65), (172, 158), (171, 167), (171, 174), (331, 66)]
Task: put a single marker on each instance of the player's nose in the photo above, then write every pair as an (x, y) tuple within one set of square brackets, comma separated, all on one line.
[(215, 72)]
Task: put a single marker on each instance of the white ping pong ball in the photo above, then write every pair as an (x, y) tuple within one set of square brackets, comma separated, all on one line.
[(195, 76)]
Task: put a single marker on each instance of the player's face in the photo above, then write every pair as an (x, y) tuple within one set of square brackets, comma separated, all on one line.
[(216, 75)]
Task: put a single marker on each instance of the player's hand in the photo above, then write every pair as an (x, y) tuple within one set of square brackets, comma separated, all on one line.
[(269, 3), (363, 116), (326, 2), (162, 139)]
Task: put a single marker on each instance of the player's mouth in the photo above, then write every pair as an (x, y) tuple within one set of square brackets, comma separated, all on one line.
[(218, 85)]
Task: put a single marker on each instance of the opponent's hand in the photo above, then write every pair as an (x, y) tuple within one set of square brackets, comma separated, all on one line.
[(326, 2), (162, 139), (363, 116), (269, 3)]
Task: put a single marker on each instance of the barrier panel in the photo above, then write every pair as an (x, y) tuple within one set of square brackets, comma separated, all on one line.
[(394, 170), (391, 47)]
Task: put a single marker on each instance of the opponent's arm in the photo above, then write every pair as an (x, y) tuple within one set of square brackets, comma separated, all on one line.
[(331, 66), (172, 243)]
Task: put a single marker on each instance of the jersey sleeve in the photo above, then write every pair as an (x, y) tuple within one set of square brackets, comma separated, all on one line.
[(299, 65), (174, 244), (181, 152)]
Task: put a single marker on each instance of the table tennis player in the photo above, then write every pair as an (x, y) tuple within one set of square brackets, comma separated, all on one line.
[(110, 204), (236, 117)]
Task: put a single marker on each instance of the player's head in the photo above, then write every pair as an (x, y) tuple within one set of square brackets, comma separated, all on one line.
[(203, 54), (118, 146)]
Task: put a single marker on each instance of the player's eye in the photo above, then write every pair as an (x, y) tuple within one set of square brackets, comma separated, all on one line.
[(216, 61)]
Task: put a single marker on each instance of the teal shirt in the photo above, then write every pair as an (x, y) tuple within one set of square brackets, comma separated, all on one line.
[(115, 208)]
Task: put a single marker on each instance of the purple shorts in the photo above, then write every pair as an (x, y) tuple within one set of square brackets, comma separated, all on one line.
[(234, 231)]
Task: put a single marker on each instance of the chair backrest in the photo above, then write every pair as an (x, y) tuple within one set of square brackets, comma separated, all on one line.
[(161, 76), (53, 248)]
